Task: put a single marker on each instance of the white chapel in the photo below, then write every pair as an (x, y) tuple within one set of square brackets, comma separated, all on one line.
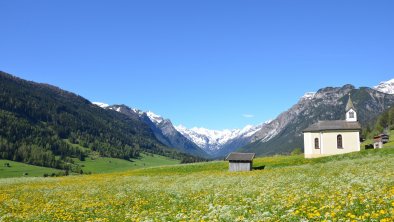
[(326, 138)]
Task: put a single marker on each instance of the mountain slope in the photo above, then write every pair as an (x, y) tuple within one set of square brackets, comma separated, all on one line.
[(284, 133), (163, 130), (40, 121)]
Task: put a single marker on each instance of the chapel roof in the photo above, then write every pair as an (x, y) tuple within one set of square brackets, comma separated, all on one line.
[(349, 104), (333, 125)]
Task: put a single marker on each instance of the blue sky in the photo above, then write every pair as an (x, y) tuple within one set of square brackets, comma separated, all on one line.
[(214, 64)]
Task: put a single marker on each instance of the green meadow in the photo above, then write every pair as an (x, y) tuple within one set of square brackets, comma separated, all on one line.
[(352, 187), (108, 165), (15, 169), (90, 165)]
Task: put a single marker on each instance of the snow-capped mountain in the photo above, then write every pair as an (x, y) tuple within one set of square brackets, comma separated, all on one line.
[(162, 128), (220, 142), (386, 87)]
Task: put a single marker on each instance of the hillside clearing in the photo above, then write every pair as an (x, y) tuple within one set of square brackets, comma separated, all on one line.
[(357, 186)]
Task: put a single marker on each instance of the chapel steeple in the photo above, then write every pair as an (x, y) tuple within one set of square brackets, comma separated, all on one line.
[(351, 115)]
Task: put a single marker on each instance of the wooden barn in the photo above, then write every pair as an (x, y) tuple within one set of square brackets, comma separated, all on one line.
[(240, 161)]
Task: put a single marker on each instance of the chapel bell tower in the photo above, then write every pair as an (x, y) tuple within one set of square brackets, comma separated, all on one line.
[(351, 114)]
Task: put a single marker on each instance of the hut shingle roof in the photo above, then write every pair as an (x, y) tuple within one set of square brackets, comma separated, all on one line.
[(241, 156)]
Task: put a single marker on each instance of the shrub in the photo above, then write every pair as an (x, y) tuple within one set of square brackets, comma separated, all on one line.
[(296, 151)]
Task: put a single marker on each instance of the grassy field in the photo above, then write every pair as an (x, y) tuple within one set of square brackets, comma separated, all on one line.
[(391, 142), (351, 187), (109, 165), (96, 165), (15, 169)]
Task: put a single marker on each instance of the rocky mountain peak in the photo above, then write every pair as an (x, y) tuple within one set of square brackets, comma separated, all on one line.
[(308, 96), (100, 104)]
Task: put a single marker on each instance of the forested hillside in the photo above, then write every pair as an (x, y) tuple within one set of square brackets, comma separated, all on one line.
[(46, 126), (383, 123)]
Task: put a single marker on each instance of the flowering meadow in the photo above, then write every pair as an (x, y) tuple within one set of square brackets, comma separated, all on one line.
[(350, 188)]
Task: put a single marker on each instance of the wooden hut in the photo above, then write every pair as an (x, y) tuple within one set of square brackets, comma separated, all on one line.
[(380, 140), (240, 161)]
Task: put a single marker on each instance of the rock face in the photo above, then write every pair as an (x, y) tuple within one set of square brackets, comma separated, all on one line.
[(163, 130), (284, 134)]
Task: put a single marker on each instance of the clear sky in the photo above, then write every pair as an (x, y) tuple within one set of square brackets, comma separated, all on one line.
[(206, 63)]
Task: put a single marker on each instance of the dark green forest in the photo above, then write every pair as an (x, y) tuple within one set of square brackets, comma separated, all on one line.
[(43, 125)]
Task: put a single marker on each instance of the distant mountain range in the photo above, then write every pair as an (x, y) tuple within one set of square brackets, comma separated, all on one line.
[(36, 116), (218, 143), (196, 141), (280, 135)]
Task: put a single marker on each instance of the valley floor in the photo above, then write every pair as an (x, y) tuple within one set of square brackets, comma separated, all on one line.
[(10, 169), (357, 186)]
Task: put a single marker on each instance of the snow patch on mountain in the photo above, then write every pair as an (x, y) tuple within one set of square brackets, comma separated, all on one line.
[(308, 96), (386, 87), (268, 121), (139, 112), (100, 104), (117, 109), (154, 117)]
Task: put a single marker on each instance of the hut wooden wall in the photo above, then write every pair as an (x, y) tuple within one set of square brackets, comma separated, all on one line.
[(237, 166)]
